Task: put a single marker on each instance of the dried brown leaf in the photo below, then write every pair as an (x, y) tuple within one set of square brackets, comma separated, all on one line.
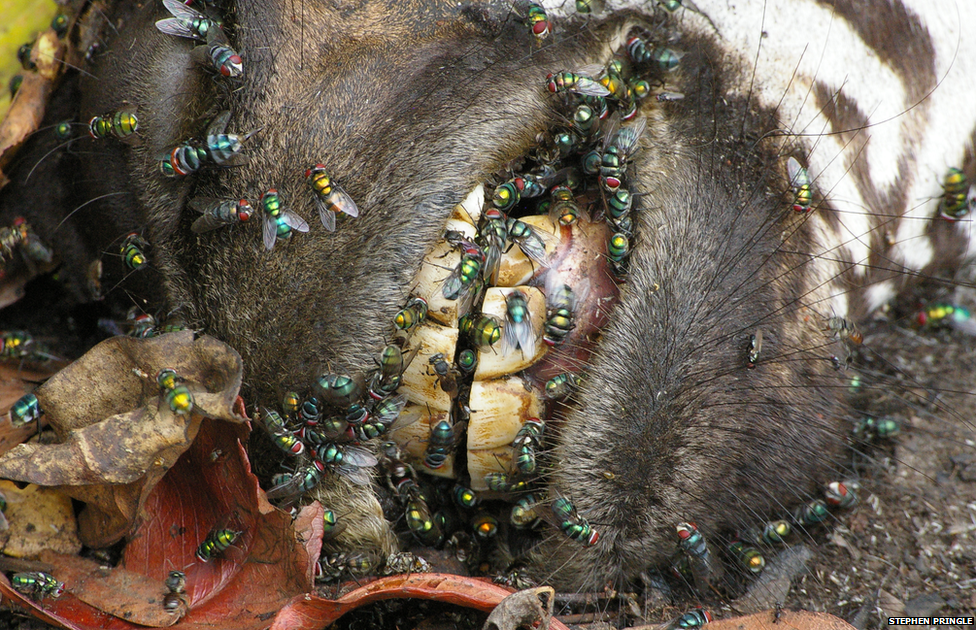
[(39, 518), (27, 110), (117, 435)]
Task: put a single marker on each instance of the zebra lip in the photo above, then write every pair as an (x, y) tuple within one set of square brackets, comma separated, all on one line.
[(580, 259)]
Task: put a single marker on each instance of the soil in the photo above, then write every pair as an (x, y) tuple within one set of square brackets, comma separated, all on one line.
[(908, 548)]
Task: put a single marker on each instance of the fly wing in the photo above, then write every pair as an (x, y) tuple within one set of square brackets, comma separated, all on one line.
[(794, 171), (533, 245), (290, 488), (204, 204), (388, 410), (356, 456), (636, 131), (452, 285), (270, 232), (518, 334), (294, 221), (179, 10), (210, 219), (206, 223), (325, 214), (219, 124), (358, 476), (177, 28), (342, 202), (589, 87)]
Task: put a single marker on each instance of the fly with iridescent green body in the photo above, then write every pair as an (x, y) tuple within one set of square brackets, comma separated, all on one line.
[(279, 222), (618, 250), (412, 314), (563, 210), (493, 238), (215, 52), (216, 543), (385, 413), (508, 194), (801, 185), (482, 330), (284, 439), (189, 23), (121, 124), (464, 281), (572, 524), (562, 385), (560, 310), (25, 410), (443, 438), (63, 131), (620, 146), (15, 344), (958, 197), (176, 395), (526, 510), (642, 53), (37, 585), (133, 251), (576, 83), (291, 486), (527, 441), (518, 330), (534, 16), (217, 147)]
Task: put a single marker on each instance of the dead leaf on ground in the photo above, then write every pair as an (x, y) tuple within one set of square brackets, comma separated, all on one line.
[(39, 518), (241, 589), (313, 612), (117, 436), (27, 110), (124, 594)]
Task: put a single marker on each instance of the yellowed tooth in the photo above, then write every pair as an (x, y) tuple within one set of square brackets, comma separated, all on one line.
[(492, 363), (437, 265), (498, 410), (419, 382), (470, 209), (411, 432), (516, 268)]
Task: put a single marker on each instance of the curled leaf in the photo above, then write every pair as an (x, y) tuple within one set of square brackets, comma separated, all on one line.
[(312, 612), (118, 436), (241, 588)]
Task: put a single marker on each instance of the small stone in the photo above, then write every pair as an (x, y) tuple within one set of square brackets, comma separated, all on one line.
[(924, 605)]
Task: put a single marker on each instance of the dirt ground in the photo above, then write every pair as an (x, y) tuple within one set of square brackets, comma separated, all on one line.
[(908, 547)]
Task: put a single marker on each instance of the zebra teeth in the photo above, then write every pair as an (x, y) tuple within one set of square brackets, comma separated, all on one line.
[(492, 362), (470, 209), (419, 381), (516, 268), (411, 432), (499, 408), (437, 265)]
